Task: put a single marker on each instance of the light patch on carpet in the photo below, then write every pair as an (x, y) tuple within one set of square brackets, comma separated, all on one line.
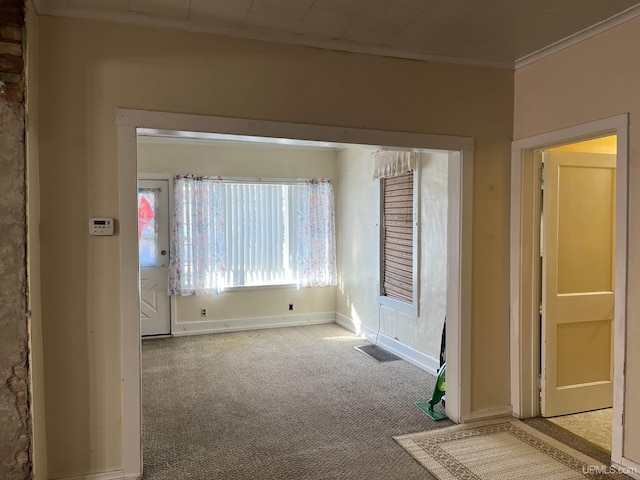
[(345, 338), (500, 450)]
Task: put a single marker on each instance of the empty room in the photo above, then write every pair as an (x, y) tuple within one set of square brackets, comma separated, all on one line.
[(441, 176)]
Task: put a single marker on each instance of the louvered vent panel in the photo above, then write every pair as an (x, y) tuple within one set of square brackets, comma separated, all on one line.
[(397, 238)]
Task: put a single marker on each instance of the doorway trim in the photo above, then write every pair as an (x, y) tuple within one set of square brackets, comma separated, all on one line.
[(459, 240), (524, 267)]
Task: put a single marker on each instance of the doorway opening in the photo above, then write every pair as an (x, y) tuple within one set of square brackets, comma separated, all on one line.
[(577, 272), (568, 270), (459, 225)]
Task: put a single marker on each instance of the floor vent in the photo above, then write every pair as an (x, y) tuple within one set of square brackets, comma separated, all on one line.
[(378, 353)]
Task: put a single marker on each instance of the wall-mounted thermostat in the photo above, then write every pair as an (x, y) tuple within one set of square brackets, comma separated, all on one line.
[(101, 226)]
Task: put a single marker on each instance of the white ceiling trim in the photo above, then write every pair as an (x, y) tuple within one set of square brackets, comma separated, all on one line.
[(580, 36), (152, 135), (229, 31), (182, 122)]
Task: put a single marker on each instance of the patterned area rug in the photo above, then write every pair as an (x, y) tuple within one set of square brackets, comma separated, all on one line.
[(500, 449)]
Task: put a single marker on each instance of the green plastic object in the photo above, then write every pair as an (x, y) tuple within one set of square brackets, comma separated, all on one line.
[(438, 393)]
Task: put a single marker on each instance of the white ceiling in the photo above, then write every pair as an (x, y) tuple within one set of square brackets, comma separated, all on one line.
[(500, 33)]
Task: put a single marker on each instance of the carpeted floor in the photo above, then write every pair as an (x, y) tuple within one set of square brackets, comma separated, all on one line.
[(568, 438), (594, 426), (291, 403)]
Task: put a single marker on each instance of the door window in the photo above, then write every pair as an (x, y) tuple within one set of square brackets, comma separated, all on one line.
[(148, 226)]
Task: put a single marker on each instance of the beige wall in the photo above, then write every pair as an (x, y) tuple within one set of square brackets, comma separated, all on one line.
[(39, 454), (358, 256), (200, 158), (39, 442), (592, 80), (156, 155), (90, 68)]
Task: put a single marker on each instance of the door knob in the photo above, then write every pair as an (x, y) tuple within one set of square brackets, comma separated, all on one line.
[(163, 252)]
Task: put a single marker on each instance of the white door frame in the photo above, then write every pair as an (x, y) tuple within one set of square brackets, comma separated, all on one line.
[(524, 267), (459, 246)]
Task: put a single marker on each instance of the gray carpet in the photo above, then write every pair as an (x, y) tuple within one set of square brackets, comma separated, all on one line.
[(290, 403)]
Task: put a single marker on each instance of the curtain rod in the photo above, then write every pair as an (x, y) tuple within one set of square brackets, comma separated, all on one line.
[(278, 181)]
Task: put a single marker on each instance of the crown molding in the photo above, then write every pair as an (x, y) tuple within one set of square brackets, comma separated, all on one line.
[(580, 36), (136, 18)]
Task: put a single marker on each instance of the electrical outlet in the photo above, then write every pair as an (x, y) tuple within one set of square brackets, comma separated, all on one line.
[(291, 307), (203, 312)]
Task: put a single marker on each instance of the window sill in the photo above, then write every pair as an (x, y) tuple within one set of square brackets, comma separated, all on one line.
[(409, 308), (259, 287)]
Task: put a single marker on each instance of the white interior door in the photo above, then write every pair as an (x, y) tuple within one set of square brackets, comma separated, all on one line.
[(578, 282), (153, 245)]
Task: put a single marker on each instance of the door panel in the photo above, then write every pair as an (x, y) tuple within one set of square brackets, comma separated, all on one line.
[(153, 244), (578, 282), (585, 222), (584, 351)]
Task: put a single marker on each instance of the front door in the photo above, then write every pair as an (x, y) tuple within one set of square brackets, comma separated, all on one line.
[(153, 244), (577, 282)]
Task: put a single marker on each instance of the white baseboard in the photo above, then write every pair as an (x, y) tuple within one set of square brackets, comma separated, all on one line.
[(113, 475), (488, 413), (628, 467), (411, 355), (240, 324), (348, 323)]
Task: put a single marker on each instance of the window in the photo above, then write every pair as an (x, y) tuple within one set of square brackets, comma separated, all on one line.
[(148, 226), (398, 234), (258, 234), (248, 233)]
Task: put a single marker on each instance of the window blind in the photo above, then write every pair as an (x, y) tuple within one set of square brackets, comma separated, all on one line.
[(233, 234), (257, 234), (397, 237)]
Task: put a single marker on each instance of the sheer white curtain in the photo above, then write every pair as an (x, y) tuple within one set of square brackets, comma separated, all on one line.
[(197, 262), (316, 237)]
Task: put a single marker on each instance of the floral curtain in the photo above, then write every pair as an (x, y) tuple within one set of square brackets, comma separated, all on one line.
[(197, 260), (389, 163), (315, 234)]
